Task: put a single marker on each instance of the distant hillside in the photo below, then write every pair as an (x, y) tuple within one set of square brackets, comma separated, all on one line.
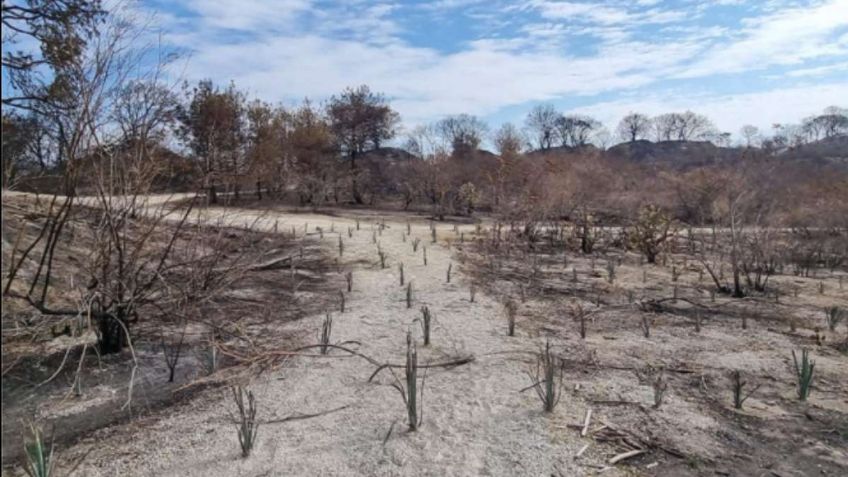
[(676, 154), (827, 151)]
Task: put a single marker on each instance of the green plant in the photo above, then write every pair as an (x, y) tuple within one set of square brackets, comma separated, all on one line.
[(834, 316), (646, 326), (546, 382), (426, 316), (611, 272), (511, 309), (804, 372), (245, 421), (413, 399), (326, 331), (580, 316), (739, 396), (39, 455), (659, 385)]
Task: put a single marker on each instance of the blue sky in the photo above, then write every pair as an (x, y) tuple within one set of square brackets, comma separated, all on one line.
[(758, 62)]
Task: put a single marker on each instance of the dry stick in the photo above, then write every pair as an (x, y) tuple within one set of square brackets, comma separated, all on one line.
[(586, 422), (626, 455), (444, 364), (297, 417), (581, 451)]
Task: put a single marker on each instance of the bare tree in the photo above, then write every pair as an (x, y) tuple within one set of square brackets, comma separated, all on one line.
[(463, 132), (61, 30), (508, 140), (686, 126), (361, 120), (575, 131), (541, 122), (751, 134), (633, 127), (212, 125)]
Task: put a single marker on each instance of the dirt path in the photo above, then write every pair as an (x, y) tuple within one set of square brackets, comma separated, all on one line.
[(475, 420)]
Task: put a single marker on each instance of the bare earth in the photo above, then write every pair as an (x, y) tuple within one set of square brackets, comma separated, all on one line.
[(476, 420)]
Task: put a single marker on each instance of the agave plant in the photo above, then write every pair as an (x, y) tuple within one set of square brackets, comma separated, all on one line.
[(804, 372), (39, 455)]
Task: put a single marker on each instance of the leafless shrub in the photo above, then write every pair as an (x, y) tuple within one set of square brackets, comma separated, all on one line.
[(547, 378), (382, 256), (739, 396), (409, 295), (341, 246), (246, 423), (172, 350), (450, 266), (424, 250), (400, 272), (415, 242), (341, 301), (349, 280), (580, 316), (610, 271), (646, 323)]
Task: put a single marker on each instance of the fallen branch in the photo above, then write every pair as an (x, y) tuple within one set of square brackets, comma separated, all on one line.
[(626, 455), (444, 364), (586, 423), (298, 417)]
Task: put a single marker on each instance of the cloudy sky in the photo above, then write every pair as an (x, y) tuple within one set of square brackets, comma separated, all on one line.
[(759, 62)]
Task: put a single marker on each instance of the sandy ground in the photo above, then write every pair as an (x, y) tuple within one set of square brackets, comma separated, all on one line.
[(476, 422)]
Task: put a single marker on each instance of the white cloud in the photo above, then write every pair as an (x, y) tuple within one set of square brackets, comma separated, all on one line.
[(789, 36), (247, 14), (292, 49)]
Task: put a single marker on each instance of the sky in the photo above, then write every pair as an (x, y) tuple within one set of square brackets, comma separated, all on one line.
[(738, 62)]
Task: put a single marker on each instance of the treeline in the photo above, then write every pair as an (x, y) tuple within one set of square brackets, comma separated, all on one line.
[(94, 116)]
